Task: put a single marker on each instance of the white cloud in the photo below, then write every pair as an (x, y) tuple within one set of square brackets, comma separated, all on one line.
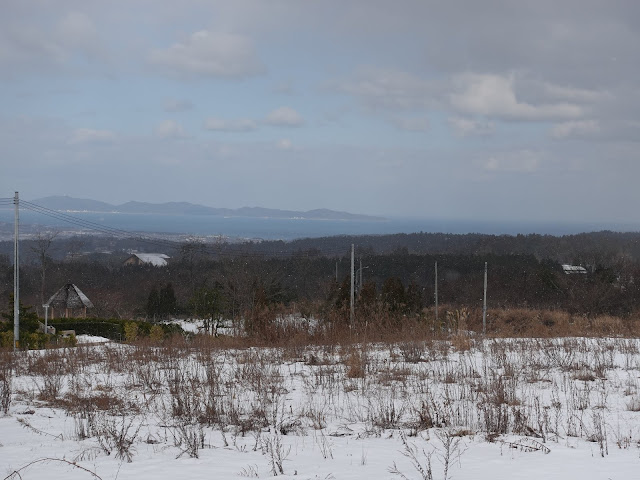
[(174, 105), (213, 54), (467, 126), (87, 135), (235, 125), (411, 124), (34, 45), (494, 96), (523, 161), (578, 128), (573, 94), (283, 88), (284, 144), (284, 117), (76, 30), (170, 129), (390, 89)]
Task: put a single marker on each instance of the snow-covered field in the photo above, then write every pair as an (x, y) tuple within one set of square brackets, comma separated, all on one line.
[(88, 339), (503, 409)]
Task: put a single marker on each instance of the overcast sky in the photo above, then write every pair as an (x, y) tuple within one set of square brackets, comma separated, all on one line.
[(501, 110)]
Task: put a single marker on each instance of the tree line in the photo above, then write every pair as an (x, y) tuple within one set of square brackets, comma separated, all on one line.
[(198, 282)]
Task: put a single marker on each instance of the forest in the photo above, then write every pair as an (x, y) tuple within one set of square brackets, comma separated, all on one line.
[(395, 275)]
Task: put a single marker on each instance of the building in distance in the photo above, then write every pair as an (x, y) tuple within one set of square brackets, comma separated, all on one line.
[(154, 259)]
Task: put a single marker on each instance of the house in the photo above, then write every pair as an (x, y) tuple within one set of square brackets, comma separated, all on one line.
[(69, 302), (574, 270), (155, 259)]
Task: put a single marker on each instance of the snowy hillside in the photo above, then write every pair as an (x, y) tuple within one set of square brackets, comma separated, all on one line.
[(494, 409)]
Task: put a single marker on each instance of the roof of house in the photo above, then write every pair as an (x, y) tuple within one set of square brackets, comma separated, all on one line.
[(69, 296), (569, 269), (155, 259)]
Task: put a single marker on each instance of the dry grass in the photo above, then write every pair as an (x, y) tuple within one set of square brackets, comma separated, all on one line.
[(461, 342), (355, 362), (528, 323), (187, 388)]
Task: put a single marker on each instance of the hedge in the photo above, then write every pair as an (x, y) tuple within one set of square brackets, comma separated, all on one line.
[(112, 328)]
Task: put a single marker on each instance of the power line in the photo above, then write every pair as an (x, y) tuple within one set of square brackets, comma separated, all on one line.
[(73, 219), (228, 250)]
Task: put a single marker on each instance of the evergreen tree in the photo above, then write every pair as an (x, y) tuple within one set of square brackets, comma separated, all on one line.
[(153, 303), (168, 302), (393, 294), (207, 303)]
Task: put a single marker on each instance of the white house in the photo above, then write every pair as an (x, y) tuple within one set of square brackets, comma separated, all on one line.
[(155, 259)]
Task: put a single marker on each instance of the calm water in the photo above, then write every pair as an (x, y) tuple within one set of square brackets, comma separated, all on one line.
[(288, 229)]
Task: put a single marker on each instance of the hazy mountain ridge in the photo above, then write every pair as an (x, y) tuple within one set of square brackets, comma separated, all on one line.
[(65, 203)]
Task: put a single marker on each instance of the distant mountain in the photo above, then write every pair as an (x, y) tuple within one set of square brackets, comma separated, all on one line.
[(70, 204), (74, 204), (170, 208)]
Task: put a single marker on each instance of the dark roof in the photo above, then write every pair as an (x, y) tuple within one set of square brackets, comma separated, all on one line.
[(69, 296)]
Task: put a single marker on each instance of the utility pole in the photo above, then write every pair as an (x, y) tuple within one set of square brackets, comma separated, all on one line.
[(336, 271), (46, 318), (16, 277), (360, 282), (436, 291), (352, 284), (484, 302)]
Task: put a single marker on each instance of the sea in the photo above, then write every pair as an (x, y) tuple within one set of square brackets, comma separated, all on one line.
[(283, 229)]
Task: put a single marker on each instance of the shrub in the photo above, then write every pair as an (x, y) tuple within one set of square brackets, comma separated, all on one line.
[(156, 334), (71, 341), (33, 340), (6, 339), (356, 364), (131, 331), (112, 328), (461, 342), (6, 376)]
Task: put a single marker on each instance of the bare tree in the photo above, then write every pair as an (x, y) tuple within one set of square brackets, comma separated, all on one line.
[(191, 253), (40, 247), (75, 244)]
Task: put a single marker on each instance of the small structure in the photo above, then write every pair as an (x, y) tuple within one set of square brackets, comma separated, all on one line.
[(574, 270), (49, 329), (70, 301), (155, 259)]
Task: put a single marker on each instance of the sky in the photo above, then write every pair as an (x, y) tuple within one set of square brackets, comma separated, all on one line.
[(496, 110)]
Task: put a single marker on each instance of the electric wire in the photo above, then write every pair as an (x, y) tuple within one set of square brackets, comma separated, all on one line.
[(241, 250), (227, 250)]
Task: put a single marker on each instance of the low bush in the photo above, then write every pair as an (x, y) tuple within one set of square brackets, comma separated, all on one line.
[(112, 328)]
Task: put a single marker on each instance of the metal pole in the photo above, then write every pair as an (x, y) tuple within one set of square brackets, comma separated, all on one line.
[(46, 318), (16, 277), (360, 282), (484, 302), (352, 284), (436, 292)]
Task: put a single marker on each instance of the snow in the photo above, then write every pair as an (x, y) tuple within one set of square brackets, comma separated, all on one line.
[(226, 326), (69, 296), (91, 339), (155, 259), (569, 269), (83, 298), (189, 326), (575, 399)]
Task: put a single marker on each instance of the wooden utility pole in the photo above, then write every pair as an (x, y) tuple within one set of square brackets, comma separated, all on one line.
[(436, 291), (352, 285), (16, 276), (484, 302), (46, 317)]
